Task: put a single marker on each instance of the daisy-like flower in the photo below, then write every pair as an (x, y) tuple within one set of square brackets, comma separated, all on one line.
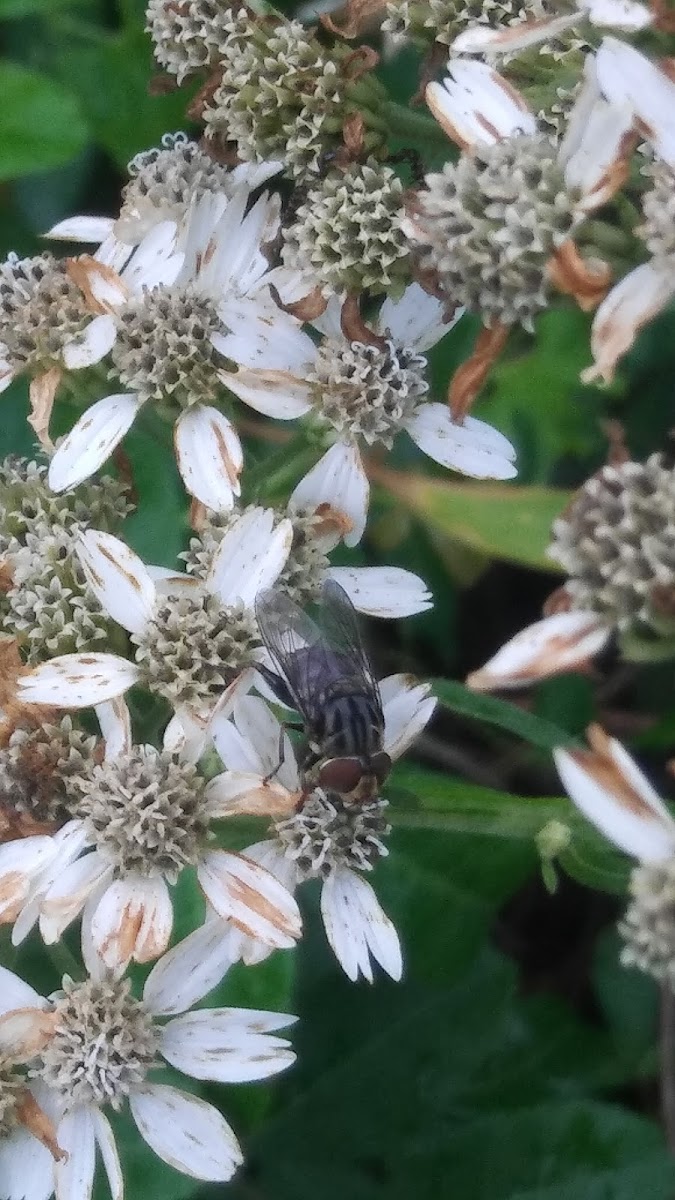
[(610, 790), (191, 640), (547, 22), (317, 836), (138, 819), (165, 181), (28, 1144), (496, 227), (376, 591), (162, 350), (93, 1046), (365, 390)]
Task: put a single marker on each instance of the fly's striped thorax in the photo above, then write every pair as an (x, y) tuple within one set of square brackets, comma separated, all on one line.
[(351, 726)]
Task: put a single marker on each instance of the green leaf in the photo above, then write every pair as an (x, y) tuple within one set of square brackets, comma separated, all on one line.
[(157, 529), (41, 124), (500, 520), (9, 9), (536, 730)]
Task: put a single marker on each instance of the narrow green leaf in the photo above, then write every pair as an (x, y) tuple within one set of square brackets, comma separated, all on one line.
[(501, 520), (536, 730), (41, 124)]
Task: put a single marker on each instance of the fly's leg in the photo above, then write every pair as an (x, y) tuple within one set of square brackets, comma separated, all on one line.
[(282, 750)]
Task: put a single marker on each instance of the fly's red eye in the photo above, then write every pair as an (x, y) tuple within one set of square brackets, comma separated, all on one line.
[(341, 775), (380, 765)]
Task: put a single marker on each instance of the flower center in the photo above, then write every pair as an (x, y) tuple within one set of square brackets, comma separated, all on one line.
[(366, 390), (163, 181), (193, 647), (144, 811), (41, 768), (327, 833), (103, 1046), (12, 1089), (25, 498), (163, 348), (40, 310), (648, 925)]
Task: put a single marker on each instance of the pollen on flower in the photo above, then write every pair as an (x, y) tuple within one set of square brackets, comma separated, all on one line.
[(41, 309), (164, 181), (144, 811), (163, 348), (648, 925), (348, 232), (616, 541), (192, 647), (326, 833), (367, 390), (103, 1044), (487, 226), (42, 769), (193, 35)]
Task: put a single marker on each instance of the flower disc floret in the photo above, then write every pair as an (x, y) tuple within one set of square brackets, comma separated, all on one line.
[(648, 925), (658, 206), (103, 1044), (192, 647), (42, 769), (488, 225), (325, 833), (617, 542), (144, 811), (442, 20), (367, 389), (163, 347), (348, 232), (192, 35), (12, 1091), (40, 310), (26, 499)]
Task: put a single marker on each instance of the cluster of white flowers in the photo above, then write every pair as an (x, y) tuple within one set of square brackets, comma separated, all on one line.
[(207, 296)]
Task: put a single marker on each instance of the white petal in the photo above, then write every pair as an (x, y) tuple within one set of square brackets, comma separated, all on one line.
[(635, 300), (105, 1140), (595, 144), (473, 448), (114, 719), (69, 893), (191, 969), (186, 736), (618, 14), (408, 707), (209, 456), (250, 556), (257, 746), (337, 479), (475, 105), (156, 260), (564, 641), (15, 993), (186, 1132), (92, 230), (235, 792), (74, 1174), (383, 591), (133, 920), (481, 39), (241, 890), (92, 345), (263, 337), (78, 680), (627, 77), (417, 319), (92, 440), (273, 393), (607, 786), (20, 861), (118, 578), (26, 1168), (225, 1046), (357, 928)]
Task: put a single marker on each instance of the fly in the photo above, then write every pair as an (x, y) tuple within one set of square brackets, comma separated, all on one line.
[(324, 673)]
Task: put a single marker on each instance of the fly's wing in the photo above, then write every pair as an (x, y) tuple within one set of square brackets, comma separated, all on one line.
[(340, 628), (295, 642)]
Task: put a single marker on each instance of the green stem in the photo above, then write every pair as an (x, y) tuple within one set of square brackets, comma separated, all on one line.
[(406, 123)]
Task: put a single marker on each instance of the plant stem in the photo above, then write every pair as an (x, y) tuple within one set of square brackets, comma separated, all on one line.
[(667, 1048)]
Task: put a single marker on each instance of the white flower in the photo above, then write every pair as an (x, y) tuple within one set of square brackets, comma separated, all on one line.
[(364, 391), (191, 640), (324, 838), (626, 77), (126, 1039), (161, 349), (139, 819), (507, 39), (377, 591)]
